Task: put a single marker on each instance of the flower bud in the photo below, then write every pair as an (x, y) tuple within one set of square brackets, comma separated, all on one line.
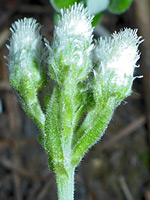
[(70, 54), (26, 54), (116, 59)]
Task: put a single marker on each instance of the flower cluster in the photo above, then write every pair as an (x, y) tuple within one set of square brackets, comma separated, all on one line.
[(90, 81)]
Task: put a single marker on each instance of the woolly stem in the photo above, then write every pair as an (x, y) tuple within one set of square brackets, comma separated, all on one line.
[(65, 185)]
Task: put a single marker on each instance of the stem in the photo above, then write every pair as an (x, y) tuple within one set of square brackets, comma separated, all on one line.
[(65, 185)]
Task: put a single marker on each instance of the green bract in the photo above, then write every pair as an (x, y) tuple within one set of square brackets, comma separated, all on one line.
[(89, 83)]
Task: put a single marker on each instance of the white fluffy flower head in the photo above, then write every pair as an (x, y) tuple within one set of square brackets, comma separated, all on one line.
[(119, 54), (75, 21), (72, 44), (25, 51), (25, 35)]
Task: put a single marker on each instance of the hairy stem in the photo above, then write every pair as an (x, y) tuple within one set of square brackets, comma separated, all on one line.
[(65, 185)]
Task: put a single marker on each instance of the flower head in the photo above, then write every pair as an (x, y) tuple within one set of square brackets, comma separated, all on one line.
[(25, 35), (72, 46), (119, 55), (75, 22), (25, 52)]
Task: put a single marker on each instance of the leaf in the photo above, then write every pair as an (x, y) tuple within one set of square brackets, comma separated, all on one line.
[(92, 129), (52, 137), (30, 101), (58, 4), (97, 19), (97, 6), (119, 6)]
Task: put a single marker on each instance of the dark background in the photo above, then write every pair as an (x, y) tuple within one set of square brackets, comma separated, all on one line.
[(116, 168)]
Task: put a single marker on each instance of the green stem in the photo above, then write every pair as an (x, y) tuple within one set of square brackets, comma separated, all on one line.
[(65, 185)]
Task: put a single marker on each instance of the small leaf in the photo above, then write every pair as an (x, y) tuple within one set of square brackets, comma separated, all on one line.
[(119, 6), (58, 4), (97, 19), (97, 6)]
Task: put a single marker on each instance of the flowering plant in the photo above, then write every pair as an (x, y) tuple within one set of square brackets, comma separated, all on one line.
[(90, 81)]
